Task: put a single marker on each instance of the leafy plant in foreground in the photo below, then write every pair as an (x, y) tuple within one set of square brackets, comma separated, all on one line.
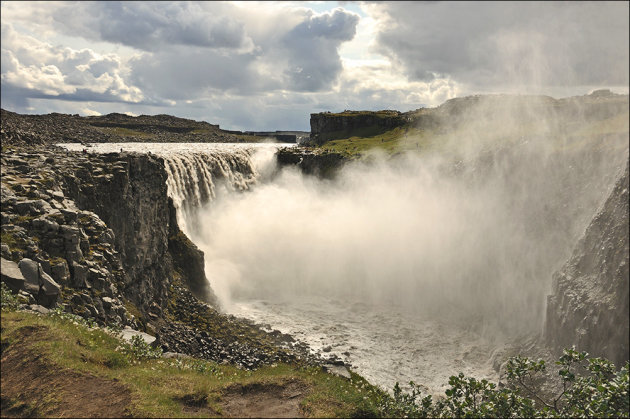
[(9, 300), (139, 349), (591, 387)]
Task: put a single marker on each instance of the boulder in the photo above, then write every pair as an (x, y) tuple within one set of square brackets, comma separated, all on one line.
[(6, 252), (12, 275), (30, 270), (49, 291), (128, 333)]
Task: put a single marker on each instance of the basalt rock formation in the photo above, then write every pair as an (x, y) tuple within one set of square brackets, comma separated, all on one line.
[(327, 126), (97, 236), (589, 305), (311, 161), (95, 231)]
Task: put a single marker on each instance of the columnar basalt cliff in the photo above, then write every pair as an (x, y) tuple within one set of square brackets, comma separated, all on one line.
[(589, 305), (327, 126), (131, 197), (98, 230)]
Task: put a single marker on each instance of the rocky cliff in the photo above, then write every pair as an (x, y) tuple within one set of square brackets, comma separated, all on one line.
[(100, 227), (589, 305), (327, 126)]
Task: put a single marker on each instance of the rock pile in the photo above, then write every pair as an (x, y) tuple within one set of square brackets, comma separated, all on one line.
[(52, 251)]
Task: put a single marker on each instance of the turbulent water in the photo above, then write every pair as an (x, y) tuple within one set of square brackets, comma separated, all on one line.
[(413, 269)]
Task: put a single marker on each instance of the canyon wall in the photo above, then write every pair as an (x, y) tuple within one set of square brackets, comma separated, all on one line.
[(328, 126), (99, 231), (589, 304)]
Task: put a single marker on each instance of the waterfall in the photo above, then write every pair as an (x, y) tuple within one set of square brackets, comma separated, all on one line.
[(195, 179)]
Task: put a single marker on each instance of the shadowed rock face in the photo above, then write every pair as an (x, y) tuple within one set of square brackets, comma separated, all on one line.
[(99, 227), (589, 305)]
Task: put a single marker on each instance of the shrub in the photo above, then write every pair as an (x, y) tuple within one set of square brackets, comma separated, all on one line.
[(599, 391), (9, 300), (139, 349)]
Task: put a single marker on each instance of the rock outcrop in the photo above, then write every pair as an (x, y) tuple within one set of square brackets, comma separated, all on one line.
[(327, 126), (311, 161), (94, 232), (115, 127), (589, 305)]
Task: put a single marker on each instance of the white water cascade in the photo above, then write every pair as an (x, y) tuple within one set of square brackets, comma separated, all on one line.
[(195, 179)]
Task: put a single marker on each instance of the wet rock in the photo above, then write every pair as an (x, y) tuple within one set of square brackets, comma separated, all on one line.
[(589, 305)]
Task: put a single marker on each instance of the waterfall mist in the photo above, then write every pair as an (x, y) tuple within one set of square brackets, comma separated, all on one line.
[(468, 233)]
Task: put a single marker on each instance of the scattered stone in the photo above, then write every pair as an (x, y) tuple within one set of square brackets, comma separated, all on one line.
[(341, 371), (38, 309)]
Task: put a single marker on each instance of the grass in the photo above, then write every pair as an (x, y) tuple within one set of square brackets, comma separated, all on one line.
[(390, 141), (126, 132), (158, 386), (416, 139)]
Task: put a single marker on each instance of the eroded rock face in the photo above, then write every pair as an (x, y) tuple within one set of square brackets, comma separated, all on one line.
[(589, 305), (326, 125), (92, 231), (311, 162)]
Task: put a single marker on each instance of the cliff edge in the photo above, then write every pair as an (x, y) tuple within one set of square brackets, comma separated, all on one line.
[(589, 305)]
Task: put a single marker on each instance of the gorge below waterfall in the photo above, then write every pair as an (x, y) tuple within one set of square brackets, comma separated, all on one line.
[(407, 268)]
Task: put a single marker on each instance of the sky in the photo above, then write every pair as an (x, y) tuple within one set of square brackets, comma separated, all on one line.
[(269, 65)]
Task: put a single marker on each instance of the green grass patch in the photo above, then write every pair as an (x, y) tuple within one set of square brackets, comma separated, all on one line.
[(126, 132), (158, 386)]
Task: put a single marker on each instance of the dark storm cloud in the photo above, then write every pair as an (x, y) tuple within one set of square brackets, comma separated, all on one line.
[(508, 43), (151, 25), (303, 57), (191, 72), (314, 62)]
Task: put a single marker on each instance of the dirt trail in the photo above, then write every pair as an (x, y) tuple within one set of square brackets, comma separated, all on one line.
[(264, 400), (29, 379), (32, 386)]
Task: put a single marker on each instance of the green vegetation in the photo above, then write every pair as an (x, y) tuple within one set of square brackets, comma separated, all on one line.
[(379, 114), (446, 131), (390, 141), (126, 132), (161, 387), (601, 391)]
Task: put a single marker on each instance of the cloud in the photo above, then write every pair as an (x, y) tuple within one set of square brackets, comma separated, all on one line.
[(314, 61), (150, 26), (39, 69), (299, 53), (522, 43)]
